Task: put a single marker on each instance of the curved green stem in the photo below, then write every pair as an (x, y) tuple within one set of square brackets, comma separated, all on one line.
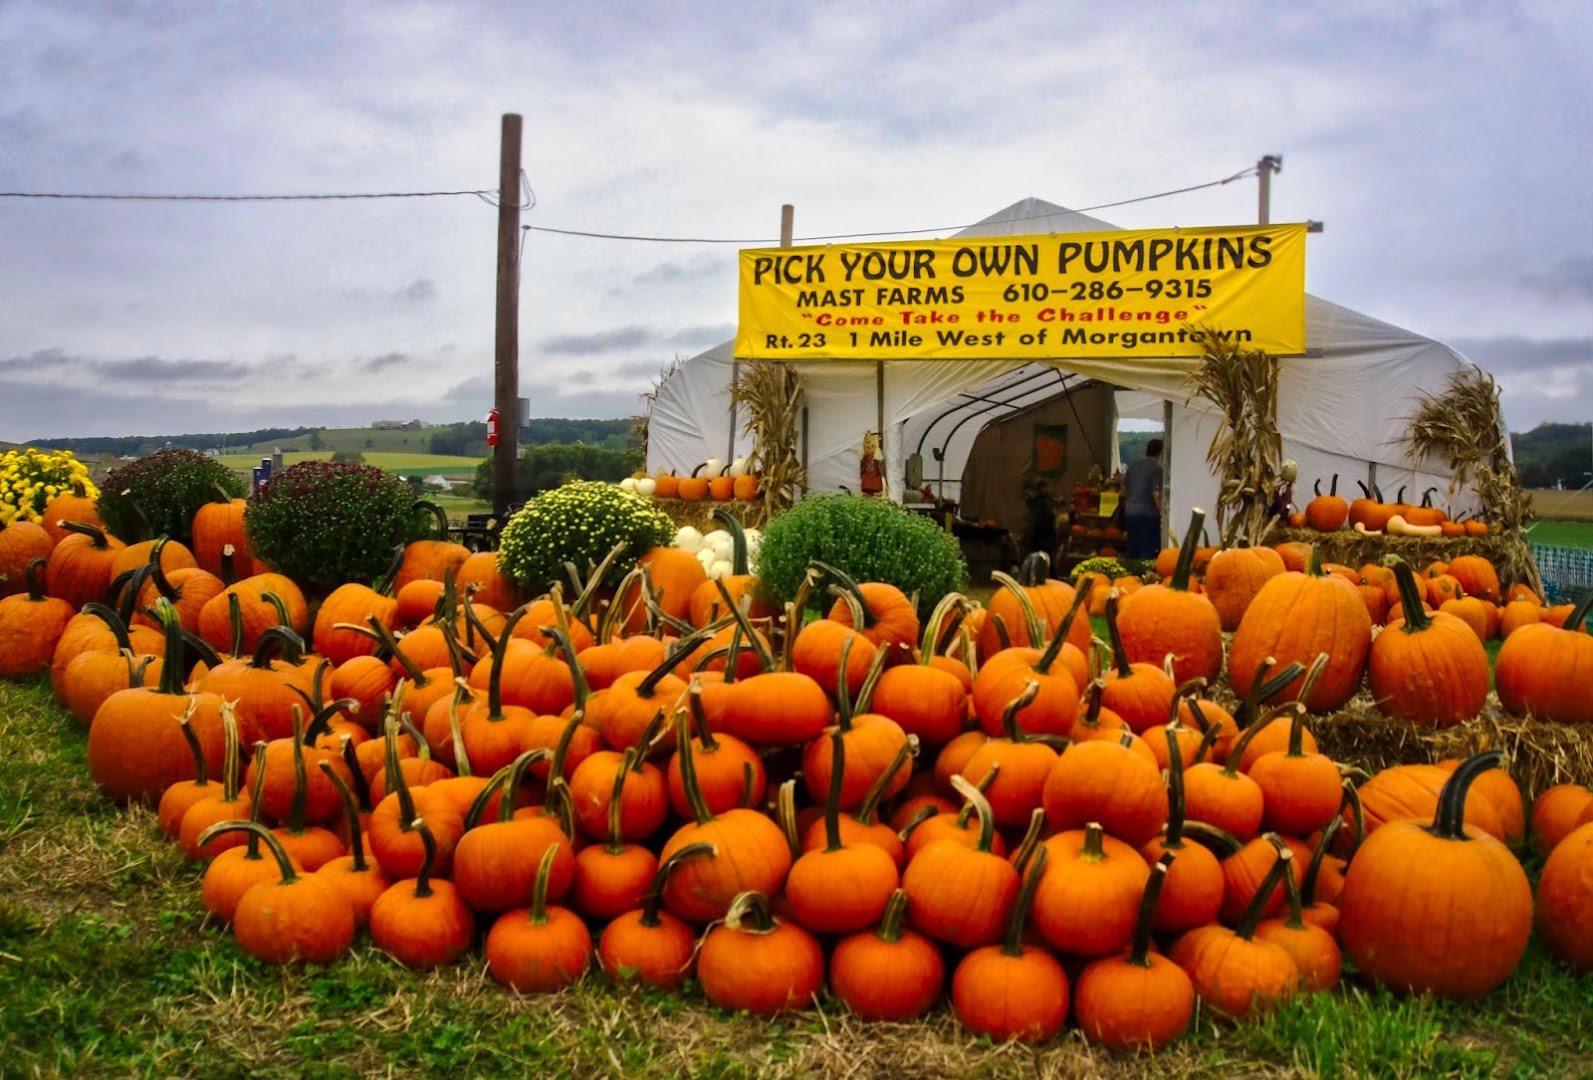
[(1139, 952), (1020, 910)]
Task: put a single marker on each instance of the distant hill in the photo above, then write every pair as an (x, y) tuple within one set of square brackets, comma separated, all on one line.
[(454, 440), (1554, 455)]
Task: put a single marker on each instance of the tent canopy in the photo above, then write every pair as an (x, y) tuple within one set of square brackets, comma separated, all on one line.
[(1341, 410)]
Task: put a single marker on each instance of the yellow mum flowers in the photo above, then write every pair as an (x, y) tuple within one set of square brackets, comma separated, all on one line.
[(30, 478)]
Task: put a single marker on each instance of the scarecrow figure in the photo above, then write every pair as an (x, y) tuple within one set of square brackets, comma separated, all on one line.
[(871, 466), (1283, 501)]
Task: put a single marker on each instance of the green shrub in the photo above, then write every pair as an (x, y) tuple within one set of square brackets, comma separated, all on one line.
[(1100, 564), (325, 524), (870, 539), (579, 522), (160, 494)]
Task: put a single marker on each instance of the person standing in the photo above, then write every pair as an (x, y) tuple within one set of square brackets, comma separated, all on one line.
[(1142, 503), (1041, 534)]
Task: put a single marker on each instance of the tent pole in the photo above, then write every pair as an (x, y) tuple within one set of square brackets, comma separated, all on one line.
[(879, 416), (1167, 469)]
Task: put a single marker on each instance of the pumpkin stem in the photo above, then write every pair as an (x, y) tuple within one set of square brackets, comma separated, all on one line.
[(560, 805), (751, 637), (456, 732), (1313, 869), (514, 778), (862, 615), (832, 802), (362, 790), (229, 753), (921, 815), (1249, 710), (890, 923), (649, 736), (1186, 551), (1219, 842), (384, 584), (683, 648), (114, 622), (301, 778), (1352, 802), (1410, 599), (1297, 729), (933, 639), (428, 842), (976, 800), (561, 637), (655, 889), (1450, 820), (785, 817), (1313, 562), (356, 846), (478, 805), (173, 668), (843, 704), (390, 643), (1093, 851), (1139, 953), (1120, 656), (1054, 648), (1020, 911), (751, 906), (1269, 884), (616, 846), (865, 693), (1003, 639), (539, 893), (1009, 714), (876, 790), (395, 776), (1295, 920), (688, 773), (495, 678), (699, 716), (1031, 840), (201, 770), (738, 542), (258, 834), (229, 571), (256, 811), (1174, 837)]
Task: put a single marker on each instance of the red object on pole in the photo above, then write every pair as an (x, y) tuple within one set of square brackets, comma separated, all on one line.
[(492, 428)]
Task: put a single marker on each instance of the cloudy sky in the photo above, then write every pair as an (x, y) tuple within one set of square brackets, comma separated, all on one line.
[(1447, 146)]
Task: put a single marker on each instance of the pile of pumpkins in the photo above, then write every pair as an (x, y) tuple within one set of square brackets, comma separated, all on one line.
[(1370, 515), (726, 551), (712, 480), (675, 779)]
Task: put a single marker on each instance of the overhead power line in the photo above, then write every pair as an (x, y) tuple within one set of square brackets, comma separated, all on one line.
[(528, 201)]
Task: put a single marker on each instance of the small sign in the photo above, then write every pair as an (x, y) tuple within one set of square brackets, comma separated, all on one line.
[(1108, 503)]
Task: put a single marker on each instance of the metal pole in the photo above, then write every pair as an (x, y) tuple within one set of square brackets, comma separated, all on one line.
[(506, 381)]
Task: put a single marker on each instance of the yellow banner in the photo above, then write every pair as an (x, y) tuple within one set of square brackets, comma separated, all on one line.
[(1148, 293)]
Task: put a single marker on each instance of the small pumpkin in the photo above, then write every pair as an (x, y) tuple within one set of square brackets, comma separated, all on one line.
[(758, 962), (540, 948)]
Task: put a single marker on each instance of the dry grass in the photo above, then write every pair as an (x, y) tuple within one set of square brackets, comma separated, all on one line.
[(1551, 505), (772, 394), (1247, 451)]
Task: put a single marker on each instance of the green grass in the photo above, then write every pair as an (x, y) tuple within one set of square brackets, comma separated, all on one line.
[(1573, 534), (109, 967), (407, 464), (395, 442)]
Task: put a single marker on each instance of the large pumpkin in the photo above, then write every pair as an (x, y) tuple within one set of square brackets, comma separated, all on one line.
[(1545, 671), (1235, 575), (1295, 617), (1161, 620), (1440, 908), (1427, 669)]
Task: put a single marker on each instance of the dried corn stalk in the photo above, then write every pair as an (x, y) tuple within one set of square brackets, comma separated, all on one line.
[(772, 395), (1247, 451), (1464, 427)]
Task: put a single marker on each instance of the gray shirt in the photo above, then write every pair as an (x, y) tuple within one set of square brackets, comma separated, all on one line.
[(1140, 480)]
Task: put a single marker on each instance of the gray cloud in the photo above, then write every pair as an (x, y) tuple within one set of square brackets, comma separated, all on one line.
[(1548, 381), (601, 341), (697, 268), (385, 361), (1512, 353), (1570, 280), (422, 291), (153, 369)]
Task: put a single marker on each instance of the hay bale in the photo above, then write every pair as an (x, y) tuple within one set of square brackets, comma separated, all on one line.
[(699, 514), (1356, 549)]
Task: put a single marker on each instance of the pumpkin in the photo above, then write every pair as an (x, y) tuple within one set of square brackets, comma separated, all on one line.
[(180, 797), (421, 922), (1049, 599), (358, 879), (265, 601), (1021, 763), (1140, 1001), (1004, 676), (649, 943), (218, 525), (265, 688), (749, 852), (613, 877), (757, 962), (839, 888), (872, 740), (1412, 791), (1477, 577), (31, 625), (1545, 672), (540, 948), (136, 748), (1139, 692), (1327, 513), (892, 973), (1191, 895), (1315, 953), (707, 602), (1556, 812), (1301, 791), (497, 863), (1565, 900), (479, 578), (1235, 575), (21, 542), (311, 846), (960, 894), (1013, 990), (693, 488), (1295, 617), (1159, 620), (1085, 904), (1105, 781), (927, 701), (1234, 973), (227, 804), (394, 842), (81, 565), (1441, 909), (297, 918), (1498, 788)]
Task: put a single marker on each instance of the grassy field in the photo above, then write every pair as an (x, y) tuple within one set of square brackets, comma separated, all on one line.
[(109, 967), (407, 464), (381, 441), (1577, 534)]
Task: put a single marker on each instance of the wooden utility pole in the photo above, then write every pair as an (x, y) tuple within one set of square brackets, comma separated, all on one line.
[(506, 382), (787, 226), (1272, 163)]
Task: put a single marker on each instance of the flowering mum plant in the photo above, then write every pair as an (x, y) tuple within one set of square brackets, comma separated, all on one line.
[(160, 494), (30, 478), (579, 522), (326, 524), (1108, 568)]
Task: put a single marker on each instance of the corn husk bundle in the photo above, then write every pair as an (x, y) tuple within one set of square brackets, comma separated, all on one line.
[(1463, 426), (1247, 452), (772, 395)]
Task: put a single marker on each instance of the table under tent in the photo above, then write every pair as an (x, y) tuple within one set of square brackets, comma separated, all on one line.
[(965, 428)]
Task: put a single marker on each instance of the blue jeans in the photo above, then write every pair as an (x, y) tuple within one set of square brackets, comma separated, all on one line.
[(1144, 539)]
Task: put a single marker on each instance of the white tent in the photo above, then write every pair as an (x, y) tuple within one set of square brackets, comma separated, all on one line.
[(1341, 409)]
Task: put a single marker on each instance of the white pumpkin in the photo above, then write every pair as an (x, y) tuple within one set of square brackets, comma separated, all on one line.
[(719, 568), (712, 468), (688, 540), (628, 484), (738, 467), (646, 486)]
